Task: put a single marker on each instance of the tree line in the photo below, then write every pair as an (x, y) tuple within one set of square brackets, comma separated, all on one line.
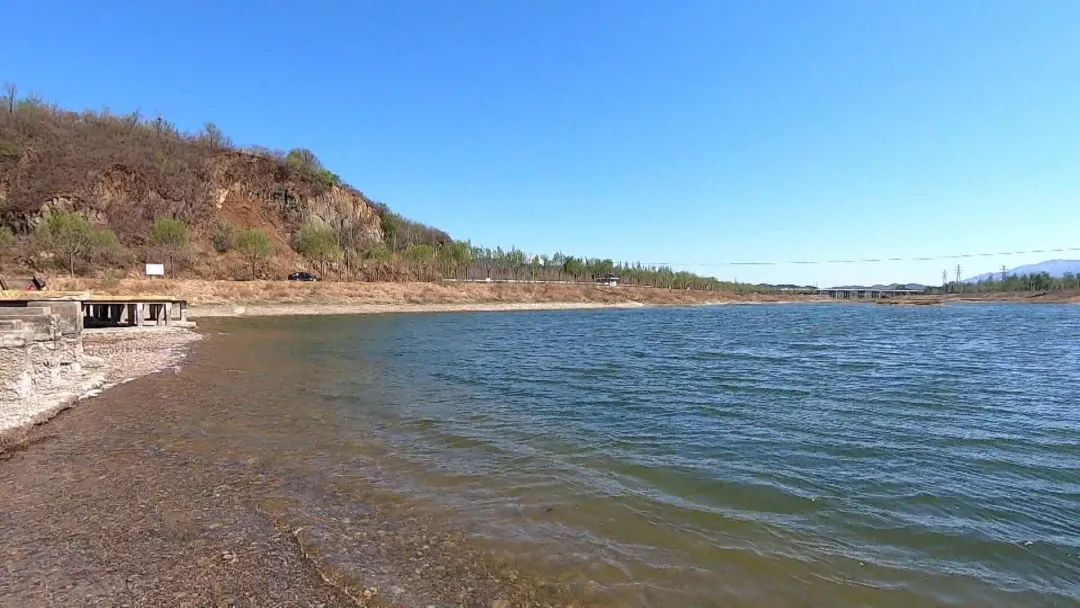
[(462, 261), (479, 263), (1039, 281)]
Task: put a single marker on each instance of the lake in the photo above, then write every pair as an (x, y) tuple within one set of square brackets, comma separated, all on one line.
[(769, 455)]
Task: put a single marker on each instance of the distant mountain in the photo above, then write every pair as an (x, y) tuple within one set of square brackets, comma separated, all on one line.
[(1056, 268)]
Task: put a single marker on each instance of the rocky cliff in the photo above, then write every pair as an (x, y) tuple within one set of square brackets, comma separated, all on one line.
[(124, 172)]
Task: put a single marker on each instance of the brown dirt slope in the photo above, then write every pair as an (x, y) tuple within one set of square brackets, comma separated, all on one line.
[(123, 172)]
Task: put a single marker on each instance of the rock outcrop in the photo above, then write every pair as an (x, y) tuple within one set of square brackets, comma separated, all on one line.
[(123, 173), (236, 187)]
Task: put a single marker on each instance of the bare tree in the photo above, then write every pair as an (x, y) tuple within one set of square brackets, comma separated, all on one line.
[(214, 137), (9, 96)]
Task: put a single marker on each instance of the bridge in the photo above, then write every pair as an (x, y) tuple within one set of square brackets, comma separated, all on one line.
[(863, 293)]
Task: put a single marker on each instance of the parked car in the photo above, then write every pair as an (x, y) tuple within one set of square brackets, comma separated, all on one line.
[(303, 276)]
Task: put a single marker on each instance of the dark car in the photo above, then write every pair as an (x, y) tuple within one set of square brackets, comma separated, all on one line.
[(303, 276)]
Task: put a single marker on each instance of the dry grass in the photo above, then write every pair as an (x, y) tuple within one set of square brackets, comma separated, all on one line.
[(205, 292)]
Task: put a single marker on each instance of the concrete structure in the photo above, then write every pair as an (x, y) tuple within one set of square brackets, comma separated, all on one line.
[(81, 309), (43, 368), (41, 336), (118, 311), (39, 350)]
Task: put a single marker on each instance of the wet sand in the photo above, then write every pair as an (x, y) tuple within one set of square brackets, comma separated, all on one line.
[(139, 497), (129, 353)]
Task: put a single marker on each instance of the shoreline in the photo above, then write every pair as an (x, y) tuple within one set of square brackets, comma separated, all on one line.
[(138, 352), (291, 309), (198, 292), (110, 357), (267, 309), (221, 298)]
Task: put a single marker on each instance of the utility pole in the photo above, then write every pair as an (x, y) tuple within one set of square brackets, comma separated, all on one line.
[(944, 280), (1004, 273), (959, 285)]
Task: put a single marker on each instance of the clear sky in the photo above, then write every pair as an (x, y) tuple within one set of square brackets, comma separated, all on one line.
[(683, 132)]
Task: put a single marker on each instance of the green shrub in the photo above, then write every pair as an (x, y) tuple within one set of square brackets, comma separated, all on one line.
[(420, 254), (224, 237), (255, 245), (169, 237), (65, 234), (379, 253), (304, 160), (316, 243), (105, 247)]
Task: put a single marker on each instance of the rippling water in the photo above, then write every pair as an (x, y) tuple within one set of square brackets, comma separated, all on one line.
[(826, 455)]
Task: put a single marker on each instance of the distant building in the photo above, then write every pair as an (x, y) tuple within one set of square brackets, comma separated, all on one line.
[(608, 280)]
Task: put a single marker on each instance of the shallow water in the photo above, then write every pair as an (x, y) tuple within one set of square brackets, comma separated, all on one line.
[(809, 455)]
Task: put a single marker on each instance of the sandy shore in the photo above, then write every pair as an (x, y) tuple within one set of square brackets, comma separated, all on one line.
[(129, 353)]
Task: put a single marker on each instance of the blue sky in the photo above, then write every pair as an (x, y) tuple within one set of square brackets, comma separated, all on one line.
[(684, 132)]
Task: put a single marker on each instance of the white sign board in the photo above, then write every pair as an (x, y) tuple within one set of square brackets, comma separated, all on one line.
[(155, 270)]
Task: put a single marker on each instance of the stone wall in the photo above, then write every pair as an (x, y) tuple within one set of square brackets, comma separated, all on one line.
[(40, 352)]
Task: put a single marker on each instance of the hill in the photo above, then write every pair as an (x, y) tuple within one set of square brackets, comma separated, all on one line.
[(1055, 268), (82, 193), (123, 172)]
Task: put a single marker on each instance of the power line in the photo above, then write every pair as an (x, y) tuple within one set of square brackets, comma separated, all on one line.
[(927, 258)]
